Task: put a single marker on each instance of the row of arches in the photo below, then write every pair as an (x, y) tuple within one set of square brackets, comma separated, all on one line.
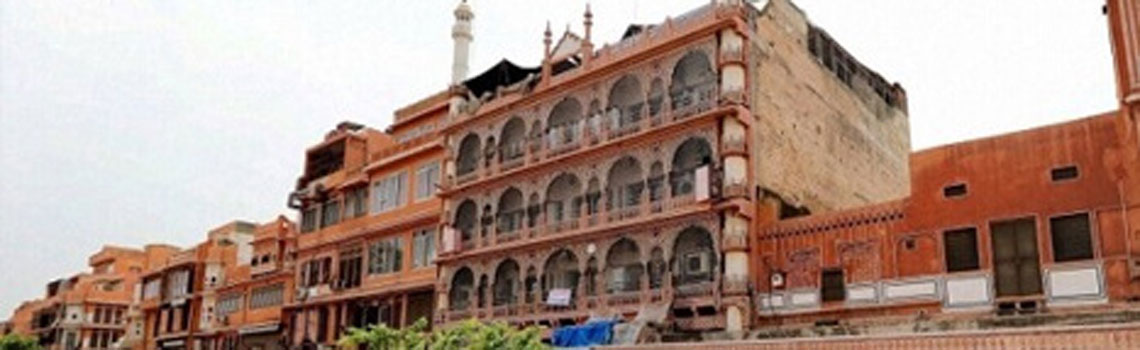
[(625, 102), (566, 196), (693, 259)]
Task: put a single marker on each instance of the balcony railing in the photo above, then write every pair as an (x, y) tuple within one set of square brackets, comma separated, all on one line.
[(513, 225), (594, 129), (618, 302)]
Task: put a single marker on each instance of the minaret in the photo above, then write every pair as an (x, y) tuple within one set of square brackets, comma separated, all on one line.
[(461, 34), (587, 44), (546, 59)]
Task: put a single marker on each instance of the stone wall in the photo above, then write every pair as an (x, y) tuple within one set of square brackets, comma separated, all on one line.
[(821, 143)]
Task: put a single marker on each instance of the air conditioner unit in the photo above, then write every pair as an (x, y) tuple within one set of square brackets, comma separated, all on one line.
[(697, 263)]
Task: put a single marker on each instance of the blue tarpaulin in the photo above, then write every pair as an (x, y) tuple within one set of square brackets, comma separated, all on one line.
[(593, 333)]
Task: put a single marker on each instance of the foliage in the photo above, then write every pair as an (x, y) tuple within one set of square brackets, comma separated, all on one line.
[(18, 342), (471, 334)]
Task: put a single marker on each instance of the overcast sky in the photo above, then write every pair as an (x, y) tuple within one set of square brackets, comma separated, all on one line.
[(135, 122)]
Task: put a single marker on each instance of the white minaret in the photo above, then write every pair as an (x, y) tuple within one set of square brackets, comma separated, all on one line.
[(461, 34)]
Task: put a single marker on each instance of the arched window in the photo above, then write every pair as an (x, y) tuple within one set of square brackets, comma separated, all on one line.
[(462, 283), (511, 212), (562, 198), (625, 103), (466, 219), (560, 272), (692, 154), (624, 183), (693, 80), (506, 283), (623, 266), (468, 158), (564, 123), (512, 140), (695, 257)]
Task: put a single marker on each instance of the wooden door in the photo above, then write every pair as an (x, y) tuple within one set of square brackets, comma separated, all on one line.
[(1016, 268)]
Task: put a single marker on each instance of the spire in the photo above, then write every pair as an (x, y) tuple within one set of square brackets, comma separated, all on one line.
[(462, 37), (546, 63), (589, 21), (587, 43)]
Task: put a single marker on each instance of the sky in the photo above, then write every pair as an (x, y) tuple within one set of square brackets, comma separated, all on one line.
[(139, 122)]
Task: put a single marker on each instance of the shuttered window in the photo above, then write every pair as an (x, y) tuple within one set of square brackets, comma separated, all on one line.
[(1072, 239), (832, 286), (961, 249)]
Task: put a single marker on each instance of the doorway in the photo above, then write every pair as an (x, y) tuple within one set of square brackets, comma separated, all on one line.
[(1016, 264)]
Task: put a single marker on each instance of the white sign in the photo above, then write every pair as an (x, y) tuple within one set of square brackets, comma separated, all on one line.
[(702, 180), (558, 297), (449, 239)]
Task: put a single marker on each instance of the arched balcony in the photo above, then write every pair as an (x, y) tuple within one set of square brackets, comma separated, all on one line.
[(563, 202), (466, 219), (624, 271), (512, 144), (565, 124), (505, 291), (462, 284), (690, 155), (626, 106), (511, 215), (694, 262), (561, 272), (467, 160), (624, 186), (693, 88)]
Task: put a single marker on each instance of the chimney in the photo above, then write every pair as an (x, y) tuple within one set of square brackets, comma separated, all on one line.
[(461, 34)]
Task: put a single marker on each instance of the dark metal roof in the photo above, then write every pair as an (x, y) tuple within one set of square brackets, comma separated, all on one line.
[(504, 73)]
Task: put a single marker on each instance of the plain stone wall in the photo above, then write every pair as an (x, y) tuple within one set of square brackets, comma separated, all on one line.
[(818, 142)]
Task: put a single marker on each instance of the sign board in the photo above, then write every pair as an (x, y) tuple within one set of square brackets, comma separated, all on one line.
[(450, 238), (701, 178), (558, 297)]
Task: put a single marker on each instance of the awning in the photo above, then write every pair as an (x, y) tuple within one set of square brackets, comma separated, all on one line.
[(265, 328)]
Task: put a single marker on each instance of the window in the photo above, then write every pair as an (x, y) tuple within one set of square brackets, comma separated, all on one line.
[(152, 288), (349, 268), (427, 177), (385, 256), (388, 193), (330, 213), (309, 219), (423, 247), (1064, 173), (953, 191), (178, 284), (961, 249), (1072, 239), (354, 202), (229, 304), (832, 286), (266, 296)]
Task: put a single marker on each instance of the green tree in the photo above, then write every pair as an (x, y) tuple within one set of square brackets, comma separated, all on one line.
[(470, 334), (18, 342)]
